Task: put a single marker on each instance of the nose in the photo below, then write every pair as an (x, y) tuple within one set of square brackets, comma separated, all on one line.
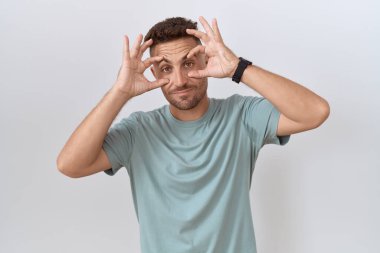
[(180, 78)]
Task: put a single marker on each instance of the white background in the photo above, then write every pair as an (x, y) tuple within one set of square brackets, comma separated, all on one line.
[(319, 193)]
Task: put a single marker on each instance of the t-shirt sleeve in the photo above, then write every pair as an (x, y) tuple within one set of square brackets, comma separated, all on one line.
[(118, 144), (261, 117)]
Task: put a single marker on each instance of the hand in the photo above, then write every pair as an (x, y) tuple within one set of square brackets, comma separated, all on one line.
[(222, 62), (131, 79)]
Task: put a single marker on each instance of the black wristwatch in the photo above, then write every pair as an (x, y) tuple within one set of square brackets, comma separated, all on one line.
[(243, 64)]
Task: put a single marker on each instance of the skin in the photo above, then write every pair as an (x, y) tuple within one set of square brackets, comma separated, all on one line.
[(187, 96), (300, 108)]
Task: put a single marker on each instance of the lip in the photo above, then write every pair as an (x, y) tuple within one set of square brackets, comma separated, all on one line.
[(183, 91)]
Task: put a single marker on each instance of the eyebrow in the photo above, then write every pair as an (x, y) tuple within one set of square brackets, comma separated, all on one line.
[(166, 60)]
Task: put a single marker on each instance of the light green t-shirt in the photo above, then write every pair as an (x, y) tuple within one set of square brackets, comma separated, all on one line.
[(190, 180)]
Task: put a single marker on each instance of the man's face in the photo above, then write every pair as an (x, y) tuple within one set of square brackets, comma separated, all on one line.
[(182, 92)]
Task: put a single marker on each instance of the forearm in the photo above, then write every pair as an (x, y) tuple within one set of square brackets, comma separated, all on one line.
[(292, 99), (85, 143)]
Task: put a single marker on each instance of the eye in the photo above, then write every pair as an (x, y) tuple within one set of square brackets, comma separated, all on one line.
[(165, 69), (189, 64)]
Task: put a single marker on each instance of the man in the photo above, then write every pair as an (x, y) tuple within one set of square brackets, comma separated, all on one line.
[(190, 162)]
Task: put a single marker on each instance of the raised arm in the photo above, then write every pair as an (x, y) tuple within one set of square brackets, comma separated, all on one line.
[(82, 154), (300, 108)]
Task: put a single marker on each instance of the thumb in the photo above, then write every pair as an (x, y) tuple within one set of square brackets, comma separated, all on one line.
[(158, 83)]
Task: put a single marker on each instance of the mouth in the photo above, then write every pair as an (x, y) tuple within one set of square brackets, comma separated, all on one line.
[(182, 91)]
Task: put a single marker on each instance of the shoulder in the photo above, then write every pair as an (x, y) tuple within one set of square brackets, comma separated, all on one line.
[(139, 117), (237, 101)]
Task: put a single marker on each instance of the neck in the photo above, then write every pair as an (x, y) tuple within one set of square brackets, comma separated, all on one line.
[(192, 114)]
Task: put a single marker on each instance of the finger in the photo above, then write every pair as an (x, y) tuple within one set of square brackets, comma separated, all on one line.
[(136, 46), (216, 30), (144, 47), (126, 48), (198, 73), (206, 26), (196, 50), (198, 34), (152, 60), (158, 83)]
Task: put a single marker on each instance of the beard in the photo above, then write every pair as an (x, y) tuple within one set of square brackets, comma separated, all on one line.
[(187, 100)]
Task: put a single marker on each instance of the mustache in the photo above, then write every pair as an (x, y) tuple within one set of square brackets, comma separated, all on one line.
[(182, 89)]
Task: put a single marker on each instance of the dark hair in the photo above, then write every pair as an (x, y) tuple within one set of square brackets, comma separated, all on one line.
[(170, 29)]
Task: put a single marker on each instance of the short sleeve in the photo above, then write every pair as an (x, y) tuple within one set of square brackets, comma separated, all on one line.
[(118, 144), (261, 118)]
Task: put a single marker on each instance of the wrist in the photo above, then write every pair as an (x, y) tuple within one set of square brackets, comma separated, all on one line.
[(120, 94), (246, 72), (235, 64), (239, 71)]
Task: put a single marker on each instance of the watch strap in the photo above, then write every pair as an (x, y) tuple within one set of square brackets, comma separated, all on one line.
[(242, 65)]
